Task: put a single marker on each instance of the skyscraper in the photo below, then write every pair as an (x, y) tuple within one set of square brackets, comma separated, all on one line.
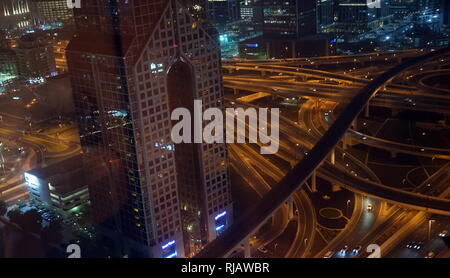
[(349, 17), (222, 12), (35, 56), (14, 14), (280, 17), (289, 18), (49, 11), (131, 63)]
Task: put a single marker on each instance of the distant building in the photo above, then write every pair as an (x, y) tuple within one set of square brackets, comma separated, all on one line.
[(3, 40), (8, 62), (445, 13), (401, 8), (59, 50), (251, 11), (14, 14), (61, 186), (349, 17), (35, 57), (280, 17), (221, 12), (49, 11), (267, 48)]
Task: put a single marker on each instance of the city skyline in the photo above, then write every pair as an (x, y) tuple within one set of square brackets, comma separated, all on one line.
[(225, 129)]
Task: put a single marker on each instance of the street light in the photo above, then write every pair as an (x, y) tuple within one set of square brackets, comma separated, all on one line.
[(430, 222)]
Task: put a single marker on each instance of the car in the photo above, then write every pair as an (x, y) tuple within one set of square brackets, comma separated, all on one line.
[(369, 207), (344, 250), (357, 249), (444, 233), (429, 255), (414, 245), (329, 254), (263, 250)]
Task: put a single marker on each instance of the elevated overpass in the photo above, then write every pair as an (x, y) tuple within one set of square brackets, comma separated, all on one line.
[(254, 218)]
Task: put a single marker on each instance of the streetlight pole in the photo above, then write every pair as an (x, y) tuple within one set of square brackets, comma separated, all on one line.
[(430, 222)]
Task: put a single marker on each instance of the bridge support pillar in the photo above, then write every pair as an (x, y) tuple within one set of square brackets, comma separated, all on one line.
[(263, 73), (246, 244), (394, 154), (348, 141), (314, 181), (290, 204), (333, 157), (367, 111), (355, 124), (235, 91)]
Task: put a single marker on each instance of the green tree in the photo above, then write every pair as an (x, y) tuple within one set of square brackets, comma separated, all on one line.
[(53, 233), (14, 215), (31, 221)]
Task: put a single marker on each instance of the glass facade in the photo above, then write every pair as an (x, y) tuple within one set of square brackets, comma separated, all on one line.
[(147, 190)]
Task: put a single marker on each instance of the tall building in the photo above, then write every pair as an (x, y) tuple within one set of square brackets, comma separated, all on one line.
[(8, 63), (14, 14), (152, 198), (401, 8), (445, 13), (222, 12), (35, 57), (280, 17), (50, 11), (289, 18), (349, 17)]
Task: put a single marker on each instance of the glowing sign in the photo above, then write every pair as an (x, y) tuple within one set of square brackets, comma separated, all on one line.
[(173, 255), (168, 244), (220, 215)]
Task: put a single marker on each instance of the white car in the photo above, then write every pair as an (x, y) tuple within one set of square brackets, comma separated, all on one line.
[(444, 233), (263, 250), (344, 250), (357, 249)]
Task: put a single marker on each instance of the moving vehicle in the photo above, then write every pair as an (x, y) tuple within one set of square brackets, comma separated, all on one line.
[(329, 254), (357, 249), (263, 250)]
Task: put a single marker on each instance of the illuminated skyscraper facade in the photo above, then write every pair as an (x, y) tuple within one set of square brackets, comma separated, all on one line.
[(131, 63), (50, 11), (14, 14)]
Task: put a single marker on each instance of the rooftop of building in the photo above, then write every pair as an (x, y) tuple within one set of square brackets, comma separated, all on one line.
[(70, 167), (71, 164)]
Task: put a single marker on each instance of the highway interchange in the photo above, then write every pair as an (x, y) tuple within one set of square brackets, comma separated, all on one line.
[(318, 87), (318, 92)]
